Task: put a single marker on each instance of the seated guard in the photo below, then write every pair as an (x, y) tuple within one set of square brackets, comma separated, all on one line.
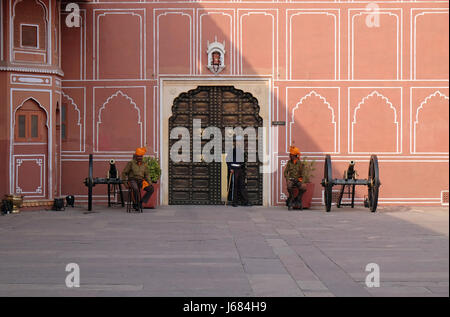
[(293, 173), (136, 173)]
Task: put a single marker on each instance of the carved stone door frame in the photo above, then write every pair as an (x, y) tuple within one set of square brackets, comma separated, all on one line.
[(170, 88)]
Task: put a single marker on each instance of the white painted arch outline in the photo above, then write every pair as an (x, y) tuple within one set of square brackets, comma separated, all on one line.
[(48, 37), (49, 135), (399, 40), (327, 12), (80, 125), (99, 121), (391, 106), (156, 43), (274, 33), (438, 94), (297, 106), (142, 38)]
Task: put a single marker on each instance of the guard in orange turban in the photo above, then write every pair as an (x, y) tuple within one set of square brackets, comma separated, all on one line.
[(293, 150), (136, 175), (293, 174), (140, 151)]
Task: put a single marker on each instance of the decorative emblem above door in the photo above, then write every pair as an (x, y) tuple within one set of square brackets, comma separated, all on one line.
[(216, 56)]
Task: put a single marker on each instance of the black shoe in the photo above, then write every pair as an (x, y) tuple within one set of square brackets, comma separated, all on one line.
[(248, 204), (235, 205), (290, 205)]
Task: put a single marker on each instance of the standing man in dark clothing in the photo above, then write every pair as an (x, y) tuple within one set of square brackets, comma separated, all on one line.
[(236, 168), (136, 173)]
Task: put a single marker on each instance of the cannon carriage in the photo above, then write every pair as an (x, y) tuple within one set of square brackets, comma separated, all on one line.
[(350, 181)]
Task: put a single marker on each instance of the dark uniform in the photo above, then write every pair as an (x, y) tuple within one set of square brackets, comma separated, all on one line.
[(238, 190), (135, 174), (293, 174)]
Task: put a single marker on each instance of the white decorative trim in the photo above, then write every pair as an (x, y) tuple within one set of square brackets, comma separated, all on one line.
[(40, 161), (82, 42), (140, 122), (156, 33), (288, 135), (335, 13), (142, 37), (413, 32), (399, 40), (266, 12), (29, 69), (416, 121), (48, 37), (333, 121), (80, 125), (399, 134), (49, 125), (37, 35), (19, 79)]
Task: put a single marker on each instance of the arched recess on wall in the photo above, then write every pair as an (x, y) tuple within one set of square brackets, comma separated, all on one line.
[(71, 126), (30, 31), (313, 125), (431, 132), (375, 127), (119, 124), (30, 149)]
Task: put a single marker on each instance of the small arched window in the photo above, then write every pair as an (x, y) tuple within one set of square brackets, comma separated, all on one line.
[(30, 123)]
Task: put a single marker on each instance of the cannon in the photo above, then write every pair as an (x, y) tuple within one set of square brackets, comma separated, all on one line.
[(373, 183), (112, 180)]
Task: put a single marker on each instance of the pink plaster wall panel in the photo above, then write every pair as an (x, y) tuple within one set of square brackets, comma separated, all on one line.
[(258, 42), (30, 175), (429, 120), (72, 100), (313, 44), (119, 122), (175, 36), (376, 49), (73, 49), (313, 119), (31, 13), (413, 180), (4, 133), (120, 43), (215, 25), (375, 120), (431, 44)]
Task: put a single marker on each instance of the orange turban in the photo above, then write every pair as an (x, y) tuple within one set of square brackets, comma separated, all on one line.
[(140, 151), (294, 150)]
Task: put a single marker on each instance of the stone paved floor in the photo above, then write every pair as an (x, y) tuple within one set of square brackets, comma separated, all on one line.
[(225, 251)]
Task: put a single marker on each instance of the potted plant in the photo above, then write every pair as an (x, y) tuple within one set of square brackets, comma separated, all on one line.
[(308, 174), (154, 171)]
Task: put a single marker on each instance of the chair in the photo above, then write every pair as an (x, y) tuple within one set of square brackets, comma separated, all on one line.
[(132, 205)]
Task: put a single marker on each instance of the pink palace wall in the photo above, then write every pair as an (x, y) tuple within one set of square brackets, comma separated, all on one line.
[(343, 88)]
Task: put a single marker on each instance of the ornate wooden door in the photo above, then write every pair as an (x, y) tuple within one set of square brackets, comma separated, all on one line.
[(199, 183)]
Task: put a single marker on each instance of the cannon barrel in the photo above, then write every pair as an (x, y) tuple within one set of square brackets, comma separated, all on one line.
[(112, 173), (350, 172)]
